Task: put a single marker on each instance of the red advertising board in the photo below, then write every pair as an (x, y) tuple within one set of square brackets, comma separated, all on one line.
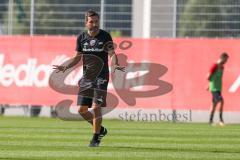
[(161, 73)]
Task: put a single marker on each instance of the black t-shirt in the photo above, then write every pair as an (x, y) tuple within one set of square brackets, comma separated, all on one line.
[(95, 54)]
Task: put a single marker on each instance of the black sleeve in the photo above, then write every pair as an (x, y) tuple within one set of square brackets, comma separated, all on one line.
[(79, 46), (109, 38), (109, 45)]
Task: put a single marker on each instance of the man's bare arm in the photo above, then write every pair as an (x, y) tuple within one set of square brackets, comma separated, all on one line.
[(114, 60), (113, 57), (73, 62)]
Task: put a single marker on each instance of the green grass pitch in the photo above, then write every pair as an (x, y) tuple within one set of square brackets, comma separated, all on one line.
[(53, 139)]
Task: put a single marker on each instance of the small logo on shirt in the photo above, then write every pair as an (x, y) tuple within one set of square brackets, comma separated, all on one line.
[(93, 45), (92, 42)]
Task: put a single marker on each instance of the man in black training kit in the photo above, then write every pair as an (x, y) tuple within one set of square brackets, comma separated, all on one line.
[(93, 46)]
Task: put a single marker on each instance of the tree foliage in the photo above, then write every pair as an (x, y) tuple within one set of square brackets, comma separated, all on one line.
[(210, 18)]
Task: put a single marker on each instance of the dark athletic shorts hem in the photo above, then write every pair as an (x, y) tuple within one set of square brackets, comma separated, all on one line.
[(216, 96), (92, 92)]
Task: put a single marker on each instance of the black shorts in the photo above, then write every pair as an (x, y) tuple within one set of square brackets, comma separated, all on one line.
[(92, 91), (216, 96)]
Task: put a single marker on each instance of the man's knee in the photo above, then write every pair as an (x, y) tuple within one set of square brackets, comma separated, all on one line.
[(82, 110), (214, 105), (97, 110)]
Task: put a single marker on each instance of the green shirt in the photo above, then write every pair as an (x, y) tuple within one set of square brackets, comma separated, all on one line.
[(215, 82)]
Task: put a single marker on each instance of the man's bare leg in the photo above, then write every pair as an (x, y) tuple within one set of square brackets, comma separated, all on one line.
[(212, 111), (88, 116), (97, 118), (221, 113)]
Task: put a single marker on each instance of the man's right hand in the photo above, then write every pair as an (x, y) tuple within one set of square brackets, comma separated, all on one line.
[(60, 68)]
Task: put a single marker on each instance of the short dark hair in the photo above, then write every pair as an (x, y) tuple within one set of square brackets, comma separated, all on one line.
[(90, 13), (224, 55)]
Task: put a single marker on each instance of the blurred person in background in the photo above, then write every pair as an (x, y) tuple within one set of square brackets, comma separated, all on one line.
[(215, 87)]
